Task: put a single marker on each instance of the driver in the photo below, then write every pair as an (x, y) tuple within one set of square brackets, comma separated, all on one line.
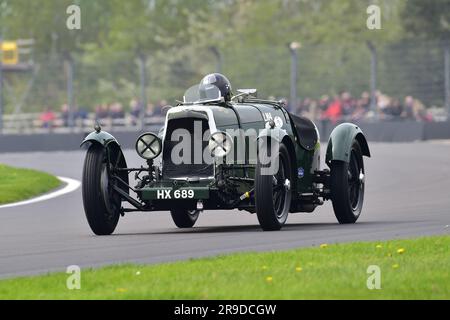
[(220, 81)]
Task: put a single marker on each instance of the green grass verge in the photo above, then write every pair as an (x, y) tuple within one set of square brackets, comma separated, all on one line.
[(21, 184), (410, 269)]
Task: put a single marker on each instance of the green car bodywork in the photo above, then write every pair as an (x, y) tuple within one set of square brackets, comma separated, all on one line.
[(248, 115)]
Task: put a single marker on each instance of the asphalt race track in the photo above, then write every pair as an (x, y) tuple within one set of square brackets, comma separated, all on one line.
[(407, 195)]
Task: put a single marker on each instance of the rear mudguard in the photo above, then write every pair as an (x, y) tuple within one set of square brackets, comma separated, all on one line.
[(341, 140)]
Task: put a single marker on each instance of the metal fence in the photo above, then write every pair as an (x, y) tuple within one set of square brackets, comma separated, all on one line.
[(31, 123), (123, 83)]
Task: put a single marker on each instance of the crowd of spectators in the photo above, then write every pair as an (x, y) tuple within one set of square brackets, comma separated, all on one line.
[(102, 112), (346, 107), (339, 107), (135, 110)]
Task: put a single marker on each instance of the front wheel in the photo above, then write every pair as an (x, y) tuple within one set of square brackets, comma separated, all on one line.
[(347, 186), (184, 218), (102, 207), (273, 192)]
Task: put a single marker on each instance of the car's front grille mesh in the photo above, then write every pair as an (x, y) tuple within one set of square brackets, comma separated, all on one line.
[(190, 169)]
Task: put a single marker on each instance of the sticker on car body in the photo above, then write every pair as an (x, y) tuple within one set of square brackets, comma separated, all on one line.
[(301, 172)]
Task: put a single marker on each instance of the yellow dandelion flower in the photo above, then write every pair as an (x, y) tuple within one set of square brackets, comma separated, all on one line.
[(395, 266), (401, 251), (269, 279), (324, 245), (121, 290), (379, 246), (298, 269)]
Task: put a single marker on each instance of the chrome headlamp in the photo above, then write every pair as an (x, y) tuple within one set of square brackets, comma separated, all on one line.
[(148, 146), (220, 144)]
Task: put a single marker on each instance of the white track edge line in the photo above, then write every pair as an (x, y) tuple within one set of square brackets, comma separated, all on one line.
[(71, 185)]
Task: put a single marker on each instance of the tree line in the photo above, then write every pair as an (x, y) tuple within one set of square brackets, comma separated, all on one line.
[(178, 41)]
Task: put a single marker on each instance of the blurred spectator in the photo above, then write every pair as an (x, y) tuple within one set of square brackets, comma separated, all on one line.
[(305, 106), (360, 111), (283, 101), (101, 112), (135, 108), (383, 103), (135, 111), (365, 100), (425, 115), (65, 114), (150, 109), (47, 118), (323, 103), (408, 112), (395, 109), (157, 111), (347, 104), (420, 112), (81, 113), (334, 110), (116, 111)]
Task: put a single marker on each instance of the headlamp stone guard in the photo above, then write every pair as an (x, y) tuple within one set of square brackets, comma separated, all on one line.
[(148, 146)]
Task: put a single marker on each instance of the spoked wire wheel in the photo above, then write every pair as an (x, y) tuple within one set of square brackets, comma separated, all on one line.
[(356, 180), (101, 204), (281, 189), (273, 192), (347, 186)]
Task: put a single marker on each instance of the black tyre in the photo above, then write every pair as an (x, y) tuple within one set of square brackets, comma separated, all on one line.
[(184, 218), (101, 205), (347, 186), (273, 193)]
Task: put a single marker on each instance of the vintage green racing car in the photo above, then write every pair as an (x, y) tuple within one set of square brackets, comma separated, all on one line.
[(219, 151)]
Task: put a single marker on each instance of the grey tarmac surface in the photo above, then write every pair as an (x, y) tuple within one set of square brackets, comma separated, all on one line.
[(407, 195)]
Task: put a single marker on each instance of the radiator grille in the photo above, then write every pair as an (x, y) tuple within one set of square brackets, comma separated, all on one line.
[(190, 169)]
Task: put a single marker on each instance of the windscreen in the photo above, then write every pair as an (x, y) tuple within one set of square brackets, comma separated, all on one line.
[(202, 93)]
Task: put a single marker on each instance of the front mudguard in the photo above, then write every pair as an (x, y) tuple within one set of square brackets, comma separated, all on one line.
[(275, 133), (101, 137), (114, 153), (341, 140), (279, 136)]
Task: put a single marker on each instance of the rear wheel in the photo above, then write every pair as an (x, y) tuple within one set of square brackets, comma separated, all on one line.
[(347, 186), (184, 218), (273, 193), (101, 205)]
